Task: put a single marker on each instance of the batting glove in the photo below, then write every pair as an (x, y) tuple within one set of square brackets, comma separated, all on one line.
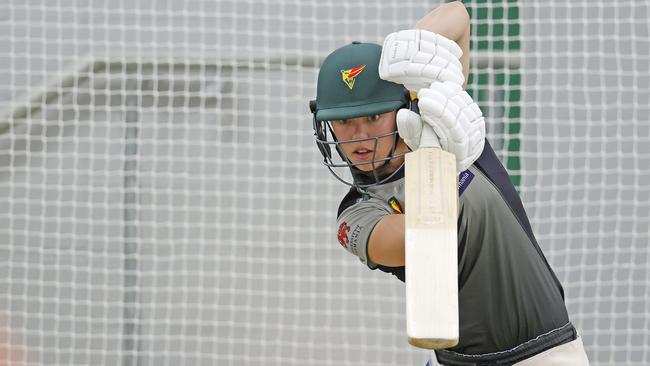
[(455, 118), (415, 58)]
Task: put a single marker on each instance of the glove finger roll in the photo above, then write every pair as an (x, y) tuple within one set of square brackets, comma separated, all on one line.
[(431, 107), (440, 41)]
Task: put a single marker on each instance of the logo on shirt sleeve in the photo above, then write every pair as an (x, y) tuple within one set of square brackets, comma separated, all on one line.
[(464, 179), (343, 234), (354, 239)]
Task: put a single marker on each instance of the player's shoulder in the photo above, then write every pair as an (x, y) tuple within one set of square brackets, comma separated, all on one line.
[(388, 197), (353, 196), (358, 214), (492, 193), (477, 192), (486, 180)]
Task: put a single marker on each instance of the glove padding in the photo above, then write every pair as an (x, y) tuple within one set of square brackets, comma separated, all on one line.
[(409, 127), (415, 58), (455, 118)]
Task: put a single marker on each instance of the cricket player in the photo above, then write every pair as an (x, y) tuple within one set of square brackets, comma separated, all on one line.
[(511, 304)]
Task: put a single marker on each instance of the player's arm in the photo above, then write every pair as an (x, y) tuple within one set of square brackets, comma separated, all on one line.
[(386, 242), (452, 21), (369, 230)]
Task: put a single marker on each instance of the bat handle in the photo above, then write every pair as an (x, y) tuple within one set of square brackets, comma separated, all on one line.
[(429, 137)]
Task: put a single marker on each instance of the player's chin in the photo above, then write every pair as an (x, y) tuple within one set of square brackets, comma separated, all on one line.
[(363, 162), (366, 167), (382, 165)]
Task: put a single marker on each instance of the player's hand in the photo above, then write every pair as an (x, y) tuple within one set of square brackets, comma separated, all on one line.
[(455, 118), (415, 58), (409, 127)]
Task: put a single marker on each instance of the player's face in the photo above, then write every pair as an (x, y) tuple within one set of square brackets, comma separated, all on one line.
[(370, 146)]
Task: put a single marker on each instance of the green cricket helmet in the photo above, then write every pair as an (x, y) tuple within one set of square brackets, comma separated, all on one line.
[(349, 86)]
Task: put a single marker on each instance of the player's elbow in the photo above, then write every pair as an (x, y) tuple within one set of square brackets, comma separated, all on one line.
[(451, 20), (459, 10), (456, 11)]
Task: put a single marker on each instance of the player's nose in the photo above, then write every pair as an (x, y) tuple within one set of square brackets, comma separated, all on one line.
[(359, 128)]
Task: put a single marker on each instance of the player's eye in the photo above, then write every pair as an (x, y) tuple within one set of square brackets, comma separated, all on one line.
[(339, 121), (374, 118)]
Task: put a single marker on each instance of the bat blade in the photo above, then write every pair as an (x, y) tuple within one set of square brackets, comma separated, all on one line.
[(431, 248)]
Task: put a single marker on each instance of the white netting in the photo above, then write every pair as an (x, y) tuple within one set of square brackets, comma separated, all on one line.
[(162, 201)]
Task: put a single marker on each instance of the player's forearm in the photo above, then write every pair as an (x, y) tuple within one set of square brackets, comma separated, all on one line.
[(386, 243), (452, 21)]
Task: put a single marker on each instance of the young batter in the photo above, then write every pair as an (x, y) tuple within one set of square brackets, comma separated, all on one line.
[(511, 303)]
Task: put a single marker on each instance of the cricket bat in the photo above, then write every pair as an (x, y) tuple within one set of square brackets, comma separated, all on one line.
[(431, 244)]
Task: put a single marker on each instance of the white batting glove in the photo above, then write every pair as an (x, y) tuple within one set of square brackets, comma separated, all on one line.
[(409, 127), (456, 119), (415, 58)]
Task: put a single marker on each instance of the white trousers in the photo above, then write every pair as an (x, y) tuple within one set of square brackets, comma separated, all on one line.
[(567, 354)]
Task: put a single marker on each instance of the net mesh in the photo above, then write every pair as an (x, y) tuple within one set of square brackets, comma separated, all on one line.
[(162, 201)]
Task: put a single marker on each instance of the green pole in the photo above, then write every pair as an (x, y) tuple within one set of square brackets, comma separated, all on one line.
[(496, 30)]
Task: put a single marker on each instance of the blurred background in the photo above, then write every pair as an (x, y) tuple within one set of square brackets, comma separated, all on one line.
[(162, 201)]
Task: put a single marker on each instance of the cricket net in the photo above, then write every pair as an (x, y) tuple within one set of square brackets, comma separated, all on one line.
[(162, 201)]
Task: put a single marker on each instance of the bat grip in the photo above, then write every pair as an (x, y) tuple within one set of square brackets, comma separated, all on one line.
[(429, 137)]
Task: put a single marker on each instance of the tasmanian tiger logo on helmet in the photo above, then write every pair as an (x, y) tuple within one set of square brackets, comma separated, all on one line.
[(349, 75)]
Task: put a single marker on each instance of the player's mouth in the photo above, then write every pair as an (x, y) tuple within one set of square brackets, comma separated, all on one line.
[(363, 154)]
